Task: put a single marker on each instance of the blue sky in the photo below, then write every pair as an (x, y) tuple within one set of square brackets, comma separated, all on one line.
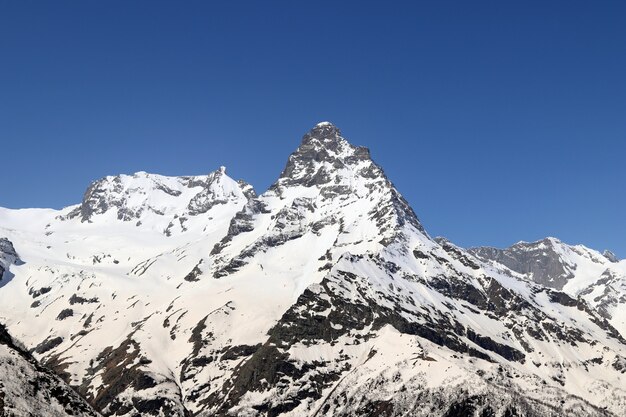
[(499, 121)]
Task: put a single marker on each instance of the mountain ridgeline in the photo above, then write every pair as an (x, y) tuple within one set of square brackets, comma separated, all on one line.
[(322, 296)]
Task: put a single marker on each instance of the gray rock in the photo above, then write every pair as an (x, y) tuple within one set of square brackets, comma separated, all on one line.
[(610, 256), (23, 379), (538, 260), (8, 257)]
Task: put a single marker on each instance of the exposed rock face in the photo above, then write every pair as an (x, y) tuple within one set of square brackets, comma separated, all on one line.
[(27, 389), (540, 260), (323, 296), (320, 157), (600, 279), (8, 256), (610, 256)]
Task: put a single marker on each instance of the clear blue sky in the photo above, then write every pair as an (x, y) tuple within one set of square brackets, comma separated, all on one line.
[(499, 121)]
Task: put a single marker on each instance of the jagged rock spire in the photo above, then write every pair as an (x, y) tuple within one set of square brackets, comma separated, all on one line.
[(322, 153), (324, 132)]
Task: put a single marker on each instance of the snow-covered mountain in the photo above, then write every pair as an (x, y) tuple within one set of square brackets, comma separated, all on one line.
[(166, 203), (322, 296), (598, 278)]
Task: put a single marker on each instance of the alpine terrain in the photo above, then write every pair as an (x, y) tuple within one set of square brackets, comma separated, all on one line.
[(322, 296)]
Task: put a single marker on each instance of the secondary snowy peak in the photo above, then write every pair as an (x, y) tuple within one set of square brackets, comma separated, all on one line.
[(132, 197), (600, 279), (548, 262)]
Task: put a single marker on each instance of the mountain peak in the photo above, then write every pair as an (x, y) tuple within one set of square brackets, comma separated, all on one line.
[(323, 131), (325, 137), (332, 169), (140, 194), (322, 155)]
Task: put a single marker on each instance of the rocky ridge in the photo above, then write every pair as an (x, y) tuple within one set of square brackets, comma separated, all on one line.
[(598, 278)]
